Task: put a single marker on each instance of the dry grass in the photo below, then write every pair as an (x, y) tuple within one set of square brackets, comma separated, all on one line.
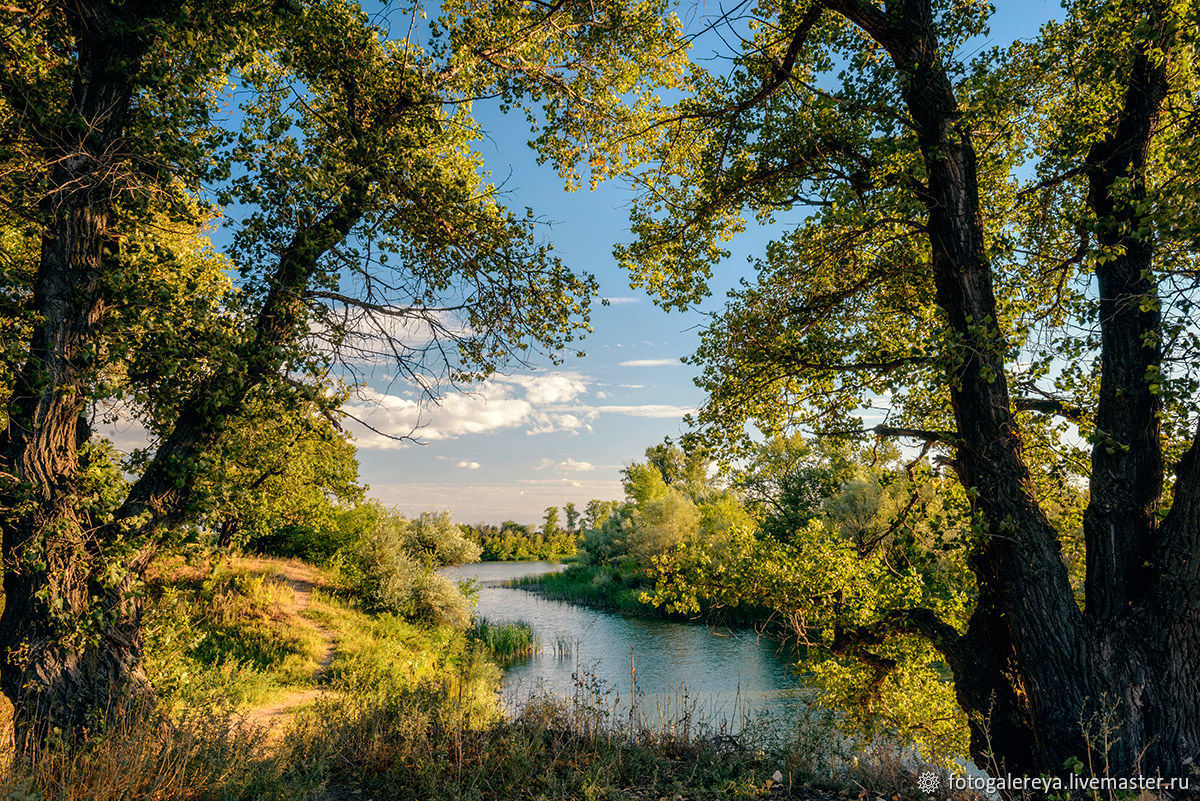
[(142, 755)]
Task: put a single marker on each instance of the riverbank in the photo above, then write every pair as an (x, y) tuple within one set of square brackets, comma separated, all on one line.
[(622, 590), (376, 706)]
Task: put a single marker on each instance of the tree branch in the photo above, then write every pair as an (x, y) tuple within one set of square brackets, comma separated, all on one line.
[(1050, 405), (920, 621)]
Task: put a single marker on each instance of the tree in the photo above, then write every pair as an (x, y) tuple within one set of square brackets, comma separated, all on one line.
[(881, 537), (597, 511), (281, 474), (988, 309), (787, 480), (572, 516), (550, 526), (367, 233)]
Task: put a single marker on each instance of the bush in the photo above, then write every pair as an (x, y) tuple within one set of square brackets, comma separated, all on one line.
[(437, 599), (390, 564)]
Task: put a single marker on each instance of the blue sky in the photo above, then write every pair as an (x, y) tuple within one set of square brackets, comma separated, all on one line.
[(553, 434)]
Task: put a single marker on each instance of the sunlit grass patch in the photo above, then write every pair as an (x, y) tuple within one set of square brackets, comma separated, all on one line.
[(228, 638)]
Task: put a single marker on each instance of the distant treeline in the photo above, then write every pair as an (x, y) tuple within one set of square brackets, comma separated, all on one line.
[(556, 538)]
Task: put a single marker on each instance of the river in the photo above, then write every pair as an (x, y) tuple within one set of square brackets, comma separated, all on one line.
[(713, 678)]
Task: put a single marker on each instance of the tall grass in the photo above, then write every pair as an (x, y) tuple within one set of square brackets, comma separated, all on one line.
[(506, 642), (142, 754)]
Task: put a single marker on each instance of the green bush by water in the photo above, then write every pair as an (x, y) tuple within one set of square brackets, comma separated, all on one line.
[(390, 565)]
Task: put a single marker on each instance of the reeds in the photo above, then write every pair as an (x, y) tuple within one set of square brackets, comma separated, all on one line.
[(506, 642)]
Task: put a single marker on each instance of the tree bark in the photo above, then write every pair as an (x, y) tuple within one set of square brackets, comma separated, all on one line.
[(1041, 680), (49, 553), (1023, 688)]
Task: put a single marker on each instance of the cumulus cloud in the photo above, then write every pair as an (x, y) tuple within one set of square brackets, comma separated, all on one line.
[(650, 363), (538, 404), (499, 403), (468, 465), (545, 389)]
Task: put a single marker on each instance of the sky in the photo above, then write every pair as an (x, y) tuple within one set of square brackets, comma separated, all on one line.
[(548, 434), (553, 434)]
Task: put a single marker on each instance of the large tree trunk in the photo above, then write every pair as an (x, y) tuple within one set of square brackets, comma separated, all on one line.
[(1043, 681), (1024, 685), (53, 667), (67, 639)]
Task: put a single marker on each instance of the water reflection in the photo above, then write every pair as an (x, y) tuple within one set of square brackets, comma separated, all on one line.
[(720, 676)]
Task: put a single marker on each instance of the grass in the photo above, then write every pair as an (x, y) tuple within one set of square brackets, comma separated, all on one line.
[(219, 634), (410, 711), (506, 642)]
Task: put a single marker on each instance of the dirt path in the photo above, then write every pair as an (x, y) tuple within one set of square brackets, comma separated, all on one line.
[(303, 579)]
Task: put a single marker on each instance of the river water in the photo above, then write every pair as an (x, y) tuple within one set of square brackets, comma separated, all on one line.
[(713, 679)]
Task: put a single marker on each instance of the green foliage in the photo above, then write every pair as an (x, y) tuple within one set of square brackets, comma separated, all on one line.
[(390, 564), (506, 642), (513, 542), (888, 539), (282, 475), (987, 247), (788, 479)]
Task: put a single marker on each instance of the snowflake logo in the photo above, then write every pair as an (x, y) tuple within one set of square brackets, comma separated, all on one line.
[(928, 781)]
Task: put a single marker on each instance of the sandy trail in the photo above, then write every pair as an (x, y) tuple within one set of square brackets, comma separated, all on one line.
[(303, 579)]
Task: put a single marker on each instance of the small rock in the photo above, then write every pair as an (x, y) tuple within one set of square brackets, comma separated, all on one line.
[(777, 777)]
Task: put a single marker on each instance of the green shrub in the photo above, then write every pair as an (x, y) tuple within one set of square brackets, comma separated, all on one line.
[(435, 598), (390, 562)]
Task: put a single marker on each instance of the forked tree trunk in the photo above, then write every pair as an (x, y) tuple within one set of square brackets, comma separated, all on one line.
[(1117, 684)]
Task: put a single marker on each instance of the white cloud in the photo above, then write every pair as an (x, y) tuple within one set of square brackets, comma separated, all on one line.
[(645, 410), (499, 403), (539, 404), (468, 465), (571, 465), (576, 466), (651, 363), (621, 301), (545, 389), (549, 423)]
